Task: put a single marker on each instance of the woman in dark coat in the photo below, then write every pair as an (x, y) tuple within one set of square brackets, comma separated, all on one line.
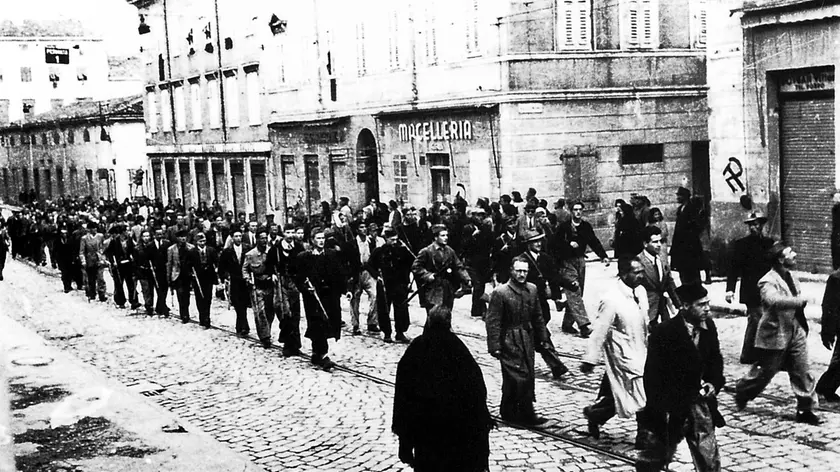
[(440, 402)]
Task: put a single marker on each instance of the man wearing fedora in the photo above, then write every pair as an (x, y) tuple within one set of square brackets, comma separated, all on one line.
[(748, 261), (782, 337), (686, 249)]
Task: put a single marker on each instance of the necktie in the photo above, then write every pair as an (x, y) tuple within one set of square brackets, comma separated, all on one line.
[(695, 335), (658, 268)]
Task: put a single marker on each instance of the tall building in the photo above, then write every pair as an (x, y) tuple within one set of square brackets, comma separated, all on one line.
[(47, 64), (411, 100)]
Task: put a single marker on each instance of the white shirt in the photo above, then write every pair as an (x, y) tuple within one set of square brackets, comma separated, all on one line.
[(238, 251)]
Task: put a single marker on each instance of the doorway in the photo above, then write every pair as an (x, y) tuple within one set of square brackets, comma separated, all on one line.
[(367, 167)]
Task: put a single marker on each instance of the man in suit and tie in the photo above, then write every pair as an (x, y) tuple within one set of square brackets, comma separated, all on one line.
[(657, 279), (527, 221), (782, 337), (230, 270), (682, 377), (157, 251), (180, 263), (205, 277)]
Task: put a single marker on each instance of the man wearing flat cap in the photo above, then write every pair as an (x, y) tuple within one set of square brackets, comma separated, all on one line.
[(180, 263), (683, 374), (748, 261)]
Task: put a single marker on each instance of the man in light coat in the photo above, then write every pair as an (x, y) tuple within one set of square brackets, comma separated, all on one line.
[(620, 332), (657, 279), (515, 326), (782, 336)]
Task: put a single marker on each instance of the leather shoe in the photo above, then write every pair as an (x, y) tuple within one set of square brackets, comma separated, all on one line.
[(327, 364), (570, 330), (387, 339), (585, 332), (830, 397), (402, 338), (807, 417), (592, 427), (356, 331), (559, 371), (533, 420), (374, 329), (740, 404)]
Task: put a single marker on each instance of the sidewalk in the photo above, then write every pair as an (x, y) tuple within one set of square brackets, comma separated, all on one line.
[(68, 416)]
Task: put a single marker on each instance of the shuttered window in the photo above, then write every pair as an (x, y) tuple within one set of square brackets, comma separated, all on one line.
[(361, 60), (642, 24), (698, 23), (574, 24), (473, 28), (430, 40), (394, 39)]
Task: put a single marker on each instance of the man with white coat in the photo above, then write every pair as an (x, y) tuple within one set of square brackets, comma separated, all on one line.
[(620, 332)]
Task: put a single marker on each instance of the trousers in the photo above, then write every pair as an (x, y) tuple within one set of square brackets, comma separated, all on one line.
[(366, 284), (95, 282), (575, 308), (667, 431), (263, 306), (147, 288)]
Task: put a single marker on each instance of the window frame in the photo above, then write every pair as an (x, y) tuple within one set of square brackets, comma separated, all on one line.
[(565, 11), (634, 154)]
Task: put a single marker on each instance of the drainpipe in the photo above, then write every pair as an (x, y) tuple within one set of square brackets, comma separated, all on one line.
[(169, 72), (223, 111)]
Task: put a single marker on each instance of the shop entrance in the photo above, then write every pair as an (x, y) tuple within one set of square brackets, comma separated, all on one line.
[(806, 132)]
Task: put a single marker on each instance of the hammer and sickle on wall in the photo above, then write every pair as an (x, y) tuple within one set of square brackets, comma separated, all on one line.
[(733, 172)]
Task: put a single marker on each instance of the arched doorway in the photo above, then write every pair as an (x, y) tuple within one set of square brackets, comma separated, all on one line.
[(367, 172)]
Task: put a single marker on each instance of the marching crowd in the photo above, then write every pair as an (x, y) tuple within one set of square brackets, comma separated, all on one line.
[(514, 258)]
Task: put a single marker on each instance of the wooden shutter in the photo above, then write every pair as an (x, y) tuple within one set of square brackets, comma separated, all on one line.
[(575, 23)]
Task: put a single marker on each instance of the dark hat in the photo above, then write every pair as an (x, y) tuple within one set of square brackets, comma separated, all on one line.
[(181, 233), (692, 292), (116, 229), (684, 192), (531, 236), (389, 233), (756, 216)]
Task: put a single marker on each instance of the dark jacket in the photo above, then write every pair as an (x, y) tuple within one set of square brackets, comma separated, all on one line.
[(749, 261), (206, 267), (831, 308), (583, 235), (392, 263), (675, 369), (686, 250)]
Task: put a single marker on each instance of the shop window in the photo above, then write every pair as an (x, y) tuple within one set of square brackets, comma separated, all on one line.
[(641, 153), (401, 177), (438, 159)]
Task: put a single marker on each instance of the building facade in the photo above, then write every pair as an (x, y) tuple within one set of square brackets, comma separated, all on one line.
[(207, 138), (590, 100), (773, 127), (87, 148), (50, 64)]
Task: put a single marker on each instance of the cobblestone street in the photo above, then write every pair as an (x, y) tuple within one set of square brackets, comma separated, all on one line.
[(285, 415)]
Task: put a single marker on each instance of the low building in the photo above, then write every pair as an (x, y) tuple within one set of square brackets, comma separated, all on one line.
[(787, 163), (87, 148)]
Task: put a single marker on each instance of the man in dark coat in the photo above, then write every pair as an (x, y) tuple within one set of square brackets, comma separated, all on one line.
[(572, 239), (120, 254), (205, 276), (438, 271), (323, 275), (505, 248), (283, 257), (477, 240), (65, 255), (145, 271), (835, 232), (391, 265), (683, 374), (258, 274), (157, 252), (515, 326), (440, 403), (830, 380), (749, 262), (230, 271), (686, 250)]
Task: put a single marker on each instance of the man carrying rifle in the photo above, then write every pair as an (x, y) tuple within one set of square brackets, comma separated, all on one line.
[(438, 271), (283, 258), (205, 276), (323, 277), (180, 264), (392, 265), (143, 254), (157, 253), (257, 273), (119, 253), (230, 270)]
